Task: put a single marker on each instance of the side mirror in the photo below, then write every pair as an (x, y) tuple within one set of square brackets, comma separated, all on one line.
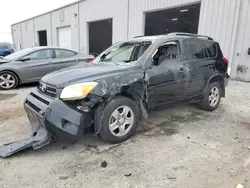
[(248, 51), (25, 59)]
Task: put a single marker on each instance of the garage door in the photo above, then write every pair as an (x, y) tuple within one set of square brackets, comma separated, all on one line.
[(100, 36), (64, 37), (181, 19)]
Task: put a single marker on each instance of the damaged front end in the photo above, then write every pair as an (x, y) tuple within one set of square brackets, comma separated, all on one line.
[(49, 118)]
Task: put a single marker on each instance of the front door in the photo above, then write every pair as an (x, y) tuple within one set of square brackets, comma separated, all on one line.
[(37, 64), (167, 77)]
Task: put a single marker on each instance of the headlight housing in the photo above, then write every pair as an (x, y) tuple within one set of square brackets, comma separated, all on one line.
[(77, 91)]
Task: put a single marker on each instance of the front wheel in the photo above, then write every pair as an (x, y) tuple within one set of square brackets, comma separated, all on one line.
[(8, 80), (212, 97), (120, 120)]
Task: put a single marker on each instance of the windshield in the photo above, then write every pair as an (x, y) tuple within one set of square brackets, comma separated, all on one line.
[(18, 54), (123, 52)]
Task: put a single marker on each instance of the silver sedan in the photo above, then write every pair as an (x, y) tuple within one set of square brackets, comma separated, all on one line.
[(31, 64)]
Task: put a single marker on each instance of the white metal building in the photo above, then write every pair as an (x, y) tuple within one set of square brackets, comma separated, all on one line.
[(92, 25)]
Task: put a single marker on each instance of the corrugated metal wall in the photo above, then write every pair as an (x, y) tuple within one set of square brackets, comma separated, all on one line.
[(67, 16), (43, 23), (219, 19), (17, 36), (241, 58), (28, 35)]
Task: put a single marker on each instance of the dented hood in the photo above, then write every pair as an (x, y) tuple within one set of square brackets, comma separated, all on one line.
[(86, 73)]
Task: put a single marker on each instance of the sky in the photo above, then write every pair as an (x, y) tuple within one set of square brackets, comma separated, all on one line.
[(13, 11)]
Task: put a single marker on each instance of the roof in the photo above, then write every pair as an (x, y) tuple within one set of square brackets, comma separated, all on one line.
[(48, 47), (53, 10), (173, 36)]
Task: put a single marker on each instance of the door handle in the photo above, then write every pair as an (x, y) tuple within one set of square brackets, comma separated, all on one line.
[(182, 68)]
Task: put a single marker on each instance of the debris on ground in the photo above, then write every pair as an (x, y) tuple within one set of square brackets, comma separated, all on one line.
[(248, 147), (127, 175), (104, 164), (63, 177), (239, 186), (171, 178)]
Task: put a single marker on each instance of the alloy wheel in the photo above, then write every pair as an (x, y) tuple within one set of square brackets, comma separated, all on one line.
[(121, 121)]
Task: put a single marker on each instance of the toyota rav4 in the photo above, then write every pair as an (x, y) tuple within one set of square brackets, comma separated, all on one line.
[(109, 96)]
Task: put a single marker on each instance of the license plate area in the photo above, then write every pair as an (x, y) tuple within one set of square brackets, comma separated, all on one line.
[(36, 120)]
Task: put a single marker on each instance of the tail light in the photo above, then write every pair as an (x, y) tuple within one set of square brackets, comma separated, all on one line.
[(91, 58), (225, 60)]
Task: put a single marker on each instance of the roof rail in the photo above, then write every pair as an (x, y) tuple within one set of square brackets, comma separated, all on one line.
[(191, 35), (138, 37)]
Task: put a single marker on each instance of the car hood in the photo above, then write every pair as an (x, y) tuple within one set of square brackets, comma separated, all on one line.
[(85, 73)]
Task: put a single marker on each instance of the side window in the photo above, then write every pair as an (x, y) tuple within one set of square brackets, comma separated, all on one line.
[(195, 49), (166, 53), (64, 53), (210, 49), (124, 55), (40, 55)]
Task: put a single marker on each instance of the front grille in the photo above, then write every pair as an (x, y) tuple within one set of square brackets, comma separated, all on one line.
[(34, 107), (37, 102), (40, 99), (47, 90)]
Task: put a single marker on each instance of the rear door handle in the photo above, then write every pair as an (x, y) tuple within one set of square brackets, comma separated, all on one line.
[(182, 68)]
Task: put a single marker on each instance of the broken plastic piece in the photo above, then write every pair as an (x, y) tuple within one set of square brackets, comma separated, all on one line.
[(240, 186), (40, 139)]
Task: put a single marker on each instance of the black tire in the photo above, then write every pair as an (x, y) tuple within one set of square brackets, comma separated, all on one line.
[(6, 53), (14, 78), (110, 107), (205, 102)]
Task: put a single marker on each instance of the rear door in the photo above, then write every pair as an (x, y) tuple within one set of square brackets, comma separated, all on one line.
[(63, 59), (37, 64), (201, 59)]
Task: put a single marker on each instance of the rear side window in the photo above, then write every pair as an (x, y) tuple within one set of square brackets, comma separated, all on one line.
[(64, 53), (200, 49), (195, 50), (210, 49)]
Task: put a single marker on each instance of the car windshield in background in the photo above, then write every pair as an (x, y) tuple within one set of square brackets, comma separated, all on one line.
[(124, 52), (18, 54)]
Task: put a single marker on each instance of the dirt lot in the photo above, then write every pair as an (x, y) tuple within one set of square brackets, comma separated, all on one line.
[(180, 147)]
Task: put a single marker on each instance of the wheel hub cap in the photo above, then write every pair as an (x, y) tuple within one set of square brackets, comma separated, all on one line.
[(121, 121), (214, 97), (7, 81)]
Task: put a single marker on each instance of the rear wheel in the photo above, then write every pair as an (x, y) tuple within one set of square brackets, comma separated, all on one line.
[(120, 119), (212, 97), (8, 80)]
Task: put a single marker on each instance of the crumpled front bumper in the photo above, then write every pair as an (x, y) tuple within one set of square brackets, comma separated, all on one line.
[(49, 117), (40, 139)]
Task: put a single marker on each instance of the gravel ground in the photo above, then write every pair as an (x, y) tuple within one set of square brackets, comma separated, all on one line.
[(179, 147)]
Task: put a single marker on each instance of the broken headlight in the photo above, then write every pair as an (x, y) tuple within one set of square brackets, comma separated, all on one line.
[(77, 91)]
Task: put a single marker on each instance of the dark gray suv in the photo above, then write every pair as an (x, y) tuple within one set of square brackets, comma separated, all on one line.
[(109, 96)]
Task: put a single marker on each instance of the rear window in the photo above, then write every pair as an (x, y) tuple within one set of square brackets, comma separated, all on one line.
[(200, 49)]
